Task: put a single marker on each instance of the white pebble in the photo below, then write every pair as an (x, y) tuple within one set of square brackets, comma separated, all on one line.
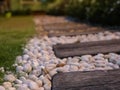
[(47, 87), (33, 86), (41, 88), (19, 68), (2, 69), (17, 81), (118, 62), (11, 88), (86, 58), (25, 57), (45, 80), (39, 82), (23, 87), (53, 72), (50, 66), (36, 72), (10, 78), (63, 69), (33, 77), (73, 68), (2, 88), (27, 67), (7, 85)]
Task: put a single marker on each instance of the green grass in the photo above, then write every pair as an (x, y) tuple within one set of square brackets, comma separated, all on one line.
[(14, 33)]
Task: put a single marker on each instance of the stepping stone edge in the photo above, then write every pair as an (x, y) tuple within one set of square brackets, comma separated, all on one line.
[(87, 80)]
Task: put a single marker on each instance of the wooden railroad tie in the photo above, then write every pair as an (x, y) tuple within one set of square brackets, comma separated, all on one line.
[(49, 20), (87, 80), (73, 32), (70, 29), (78, 49), (65, 26)]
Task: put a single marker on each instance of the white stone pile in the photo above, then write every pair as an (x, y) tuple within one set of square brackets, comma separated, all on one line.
[(37, 65)]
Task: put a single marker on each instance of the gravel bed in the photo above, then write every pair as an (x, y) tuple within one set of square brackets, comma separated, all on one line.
[(37, 65)]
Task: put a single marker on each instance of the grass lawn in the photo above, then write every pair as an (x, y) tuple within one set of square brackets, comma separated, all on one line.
[(14, 33)]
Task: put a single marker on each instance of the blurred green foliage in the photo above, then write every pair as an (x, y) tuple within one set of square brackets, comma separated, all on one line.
[(18, 8), (15, 5), (103, 11), (98, 11), (56, 7)]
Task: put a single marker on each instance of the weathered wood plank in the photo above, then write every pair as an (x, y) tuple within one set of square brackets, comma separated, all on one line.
[(50, 20), (69, 50), (74, 33), (70, 29), (85, 44), (65, 26), (92, 80)]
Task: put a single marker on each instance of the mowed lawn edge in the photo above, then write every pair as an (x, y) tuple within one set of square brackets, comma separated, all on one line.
[(14, 34)]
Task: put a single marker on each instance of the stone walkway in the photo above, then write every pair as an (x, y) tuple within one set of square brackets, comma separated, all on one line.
[(45, 20), (38, 64), (60, 25)]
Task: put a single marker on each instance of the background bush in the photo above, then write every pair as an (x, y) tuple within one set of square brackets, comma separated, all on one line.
[(97, 11), (56, 7), (18, 9)]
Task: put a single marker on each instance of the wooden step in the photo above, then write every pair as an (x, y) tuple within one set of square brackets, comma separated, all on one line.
[(91, 80), (73, 32), (65, 26), (50, 20), (70, 29), (78, 49)]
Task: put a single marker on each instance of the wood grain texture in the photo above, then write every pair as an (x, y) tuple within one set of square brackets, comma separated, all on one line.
[(70, 50), (72, 32), (92, 80), (70, 29), (66, 26)]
